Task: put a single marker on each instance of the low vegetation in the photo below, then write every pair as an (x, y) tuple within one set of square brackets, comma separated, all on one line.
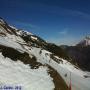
[(16, 55)]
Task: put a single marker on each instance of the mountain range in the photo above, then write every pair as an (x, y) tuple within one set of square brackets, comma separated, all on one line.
[(80, 53)]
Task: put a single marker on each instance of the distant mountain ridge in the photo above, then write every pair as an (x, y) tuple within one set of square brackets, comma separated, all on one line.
[(80, 54), (84, 42)]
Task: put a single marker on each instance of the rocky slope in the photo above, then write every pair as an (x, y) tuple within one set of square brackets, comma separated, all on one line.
[(22, 65), (31, 63)]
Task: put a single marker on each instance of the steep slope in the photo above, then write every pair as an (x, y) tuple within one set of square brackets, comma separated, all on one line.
[(28, 61), (19, 67)]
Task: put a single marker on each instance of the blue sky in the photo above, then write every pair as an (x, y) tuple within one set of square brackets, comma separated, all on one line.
[(57, 21)]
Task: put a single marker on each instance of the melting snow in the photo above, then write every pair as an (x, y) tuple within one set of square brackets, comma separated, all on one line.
[(79, 82), (34, 38), (10, 43), (18, 74)]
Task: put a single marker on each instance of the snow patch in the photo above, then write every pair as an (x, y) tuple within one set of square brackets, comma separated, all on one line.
[(34, 38), (18, 74), (79, 82)]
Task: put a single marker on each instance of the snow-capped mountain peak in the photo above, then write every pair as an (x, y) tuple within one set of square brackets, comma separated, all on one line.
[(84, 42), (87, 40)]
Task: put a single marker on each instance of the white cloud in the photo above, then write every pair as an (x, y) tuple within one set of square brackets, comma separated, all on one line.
[(70, 12), (26, 25), (80, 14), (64, 31)]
